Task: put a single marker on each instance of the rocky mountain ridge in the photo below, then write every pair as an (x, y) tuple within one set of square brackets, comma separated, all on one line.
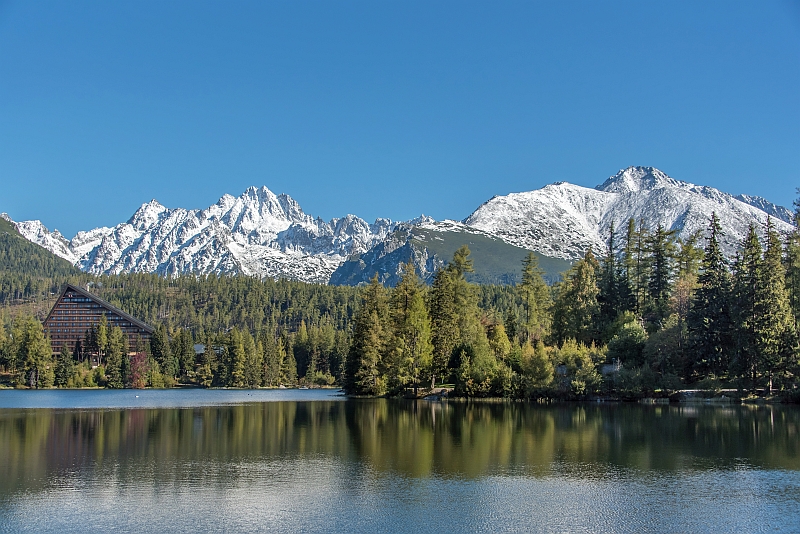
[(562, 220), (263, 234)]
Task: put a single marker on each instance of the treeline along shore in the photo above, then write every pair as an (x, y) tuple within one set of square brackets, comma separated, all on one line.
[(648, 316)]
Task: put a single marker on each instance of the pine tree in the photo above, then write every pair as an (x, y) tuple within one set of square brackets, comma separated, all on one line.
[(709, 320), (774, 324), (614, 296), (536, 296), (575, 310), (160, 350), (444, 322), (661, 247), (498, 341), (64, 367), (273, 357), (102, 338), (289, 367), (411, 330), (792, 265), (114, 359), (33, 359), (636, 265), (747, 273), (365, 359), (238, 358), (254, 361)]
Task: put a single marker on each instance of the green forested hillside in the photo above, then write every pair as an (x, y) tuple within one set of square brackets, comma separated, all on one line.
[(495, 261), (19, 255), (30, 274)]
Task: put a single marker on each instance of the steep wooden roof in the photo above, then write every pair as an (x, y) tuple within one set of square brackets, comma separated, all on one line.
[(144, 326)]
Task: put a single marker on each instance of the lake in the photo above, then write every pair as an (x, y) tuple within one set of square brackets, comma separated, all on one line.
[(314, 461)]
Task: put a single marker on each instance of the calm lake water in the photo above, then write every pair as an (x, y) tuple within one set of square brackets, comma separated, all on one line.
[(313, 461)]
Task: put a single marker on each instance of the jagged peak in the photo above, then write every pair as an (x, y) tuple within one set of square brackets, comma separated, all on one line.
[(422, 219), (635, 179), (147, 214)]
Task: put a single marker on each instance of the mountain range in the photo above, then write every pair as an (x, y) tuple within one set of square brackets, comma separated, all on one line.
[(267, 235)]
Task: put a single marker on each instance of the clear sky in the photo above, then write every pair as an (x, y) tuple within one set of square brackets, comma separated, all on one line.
[(386, 108)]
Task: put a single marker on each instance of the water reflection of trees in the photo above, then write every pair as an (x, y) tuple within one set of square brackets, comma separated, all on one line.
[(417, 439)]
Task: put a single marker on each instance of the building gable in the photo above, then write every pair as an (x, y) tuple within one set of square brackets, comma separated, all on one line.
[(77, 311)]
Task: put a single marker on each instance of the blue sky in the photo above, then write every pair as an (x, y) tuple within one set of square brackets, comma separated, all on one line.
[(386, 109)]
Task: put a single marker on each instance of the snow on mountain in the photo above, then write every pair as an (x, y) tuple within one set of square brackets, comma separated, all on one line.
[(562, 220), (263, 234), (258, 233)]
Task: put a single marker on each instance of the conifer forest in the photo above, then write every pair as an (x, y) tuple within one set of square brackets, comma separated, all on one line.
[(648, 316)]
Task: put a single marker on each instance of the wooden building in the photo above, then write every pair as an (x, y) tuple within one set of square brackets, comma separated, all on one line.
[(77, 311)]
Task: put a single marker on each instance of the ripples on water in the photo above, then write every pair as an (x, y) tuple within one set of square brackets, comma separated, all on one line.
[(316, 463)]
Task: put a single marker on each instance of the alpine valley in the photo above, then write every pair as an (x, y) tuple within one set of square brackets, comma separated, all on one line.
[(266, 235)]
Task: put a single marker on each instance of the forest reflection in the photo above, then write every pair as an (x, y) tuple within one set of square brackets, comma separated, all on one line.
[(413, 439)]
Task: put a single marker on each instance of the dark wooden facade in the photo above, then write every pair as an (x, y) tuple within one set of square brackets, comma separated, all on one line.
[(77, 311)]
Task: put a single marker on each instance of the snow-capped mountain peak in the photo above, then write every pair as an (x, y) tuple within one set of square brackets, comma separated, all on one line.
[(562, 220), (263, 234), (636, 179), (257, 233)]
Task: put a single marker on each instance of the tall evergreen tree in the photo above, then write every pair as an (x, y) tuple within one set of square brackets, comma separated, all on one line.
[(364, 374), (636, 265), (774, 324), (614, 296), (33, 359), (411, 339), (536, 296), (289, 367), (64, 367), (114, 359), (237, 357), (575, 310), (709, 321), (161, 352), (102, 337), (444, 322), (792, 265), (661, 248), (747, 273)]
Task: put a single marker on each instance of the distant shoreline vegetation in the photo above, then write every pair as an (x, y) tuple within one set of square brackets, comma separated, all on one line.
[(648, 316)]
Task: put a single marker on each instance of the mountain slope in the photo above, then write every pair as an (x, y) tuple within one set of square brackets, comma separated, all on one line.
[(263, 234), (258, 233), (430, 244), (562, 220), (19, 255)]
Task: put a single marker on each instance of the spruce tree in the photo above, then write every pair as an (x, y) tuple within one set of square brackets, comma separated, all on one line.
[(289, 364), (161, 352), (102, 337), (709, 320), (238, 358), (747, 273), (575, 310), (536, 296), (115, 378), (64, 367), (774, 323), (614, 296), (444, 322), (411, 330), (364, 374), (661, 248), (792, 265)]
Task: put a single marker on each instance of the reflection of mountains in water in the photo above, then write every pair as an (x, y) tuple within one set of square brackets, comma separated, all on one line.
[(417, 439)]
